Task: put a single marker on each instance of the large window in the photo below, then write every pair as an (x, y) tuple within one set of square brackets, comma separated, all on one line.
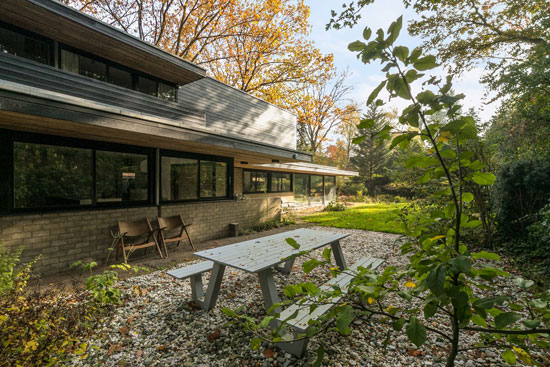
[(255, 182), (301, 187), (121, 177), (78, 174), (281, 182), (330, 188), (24, 45), (190, 177), (314, 188), (51, 176), (94, 67)]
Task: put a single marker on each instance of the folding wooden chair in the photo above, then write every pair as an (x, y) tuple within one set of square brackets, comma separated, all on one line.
[(137, 228), (171, 223)]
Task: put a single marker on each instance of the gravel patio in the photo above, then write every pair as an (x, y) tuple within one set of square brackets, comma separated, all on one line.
[(158, 327)]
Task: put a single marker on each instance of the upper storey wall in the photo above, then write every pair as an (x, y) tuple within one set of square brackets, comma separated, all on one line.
[(232, 112)]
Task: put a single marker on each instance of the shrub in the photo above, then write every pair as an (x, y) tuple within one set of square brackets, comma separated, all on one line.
[(37, 328), (335, 206), (521, 190)]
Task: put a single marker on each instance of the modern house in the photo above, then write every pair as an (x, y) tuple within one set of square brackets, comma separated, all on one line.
[(98, 126)]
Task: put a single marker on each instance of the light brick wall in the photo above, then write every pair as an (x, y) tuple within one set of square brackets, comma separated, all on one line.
[(211, 219), (65, 237)]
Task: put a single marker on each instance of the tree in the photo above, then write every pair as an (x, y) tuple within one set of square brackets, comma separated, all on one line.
[(319, 110), (371, 155), (259, 47), (348, 129)]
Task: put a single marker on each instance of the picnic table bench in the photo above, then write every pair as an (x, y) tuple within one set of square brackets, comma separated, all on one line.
[(301, 321)]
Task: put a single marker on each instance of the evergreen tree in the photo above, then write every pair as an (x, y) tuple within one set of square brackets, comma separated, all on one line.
[(372, 155)]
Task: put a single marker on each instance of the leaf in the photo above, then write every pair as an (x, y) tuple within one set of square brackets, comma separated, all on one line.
[(430, 309), (320, 355), (489, 302), (356, 46), (358, 139), (344, 319), (309, 265), (509, 357), (366, 124), (326, 254), (401, 52), (255, 343), (394, 29), (402, 138), (485, 255), (398, 324), (214, 335), (375, 92), (292, 242), (482, 178), (425, 97), (531, 324), (416, 332), (268, 353), (436, 279), (506, 318), (467, 197), (415, 54), (425, 63), (367, 32), (411, 75), (479, 321)]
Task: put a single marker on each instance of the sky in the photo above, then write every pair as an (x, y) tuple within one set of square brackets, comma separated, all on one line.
[(365, 77)]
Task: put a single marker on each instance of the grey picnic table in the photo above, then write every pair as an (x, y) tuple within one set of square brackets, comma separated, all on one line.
[(261, 256)]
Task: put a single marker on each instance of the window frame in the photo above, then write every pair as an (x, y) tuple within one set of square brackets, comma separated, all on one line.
[(204, 157), (269, 178), (135, 73), (43, 139), (36, 36)]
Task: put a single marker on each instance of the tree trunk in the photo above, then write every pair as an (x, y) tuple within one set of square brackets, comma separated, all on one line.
[(454, 343)]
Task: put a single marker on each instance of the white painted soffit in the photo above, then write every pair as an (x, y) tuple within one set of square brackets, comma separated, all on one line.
[(306, 168)]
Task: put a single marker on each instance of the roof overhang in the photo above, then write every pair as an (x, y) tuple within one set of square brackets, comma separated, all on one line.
[(62, 23), (302, 167), (29, 109)]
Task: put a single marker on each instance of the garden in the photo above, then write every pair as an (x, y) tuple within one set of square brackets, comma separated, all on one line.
[(460, 220)]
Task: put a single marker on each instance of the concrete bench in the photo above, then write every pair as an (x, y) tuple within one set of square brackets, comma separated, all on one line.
[(195, 273), (301, 322)]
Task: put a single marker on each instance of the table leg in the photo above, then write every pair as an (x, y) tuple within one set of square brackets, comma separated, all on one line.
[(338, 255), (213, 287), (287, 267), (269, 290)]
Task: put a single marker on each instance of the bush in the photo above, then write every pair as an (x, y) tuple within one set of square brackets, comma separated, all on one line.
[(335, 206), (522, 189), (37, 328)]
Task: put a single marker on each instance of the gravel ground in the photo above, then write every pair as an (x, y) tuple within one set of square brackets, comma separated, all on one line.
[(157, 326)]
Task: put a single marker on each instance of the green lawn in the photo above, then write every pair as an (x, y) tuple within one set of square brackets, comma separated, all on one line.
[(371, 217)]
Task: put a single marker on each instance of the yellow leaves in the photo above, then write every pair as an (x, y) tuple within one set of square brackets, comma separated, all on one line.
[(523, 355), (410, 284), (370, 300), (435, 238), (333, 268), (388, 309), (29, 346)]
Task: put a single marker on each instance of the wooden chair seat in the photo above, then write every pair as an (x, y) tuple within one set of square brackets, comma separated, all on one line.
[(173, 223)]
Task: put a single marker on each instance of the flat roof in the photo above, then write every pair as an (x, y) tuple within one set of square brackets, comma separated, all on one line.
[(62, 23), (302, 167)]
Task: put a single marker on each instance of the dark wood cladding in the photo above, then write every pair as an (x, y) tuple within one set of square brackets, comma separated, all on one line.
[(22, 71), (59, 22)]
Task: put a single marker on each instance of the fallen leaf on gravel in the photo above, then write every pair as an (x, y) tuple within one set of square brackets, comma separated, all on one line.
[(231, 295), (124, 330), (193, 305), (160, 348), (214, 335), (415, 353), (268, 353), (131, 319), (114, 348), (139, 353)]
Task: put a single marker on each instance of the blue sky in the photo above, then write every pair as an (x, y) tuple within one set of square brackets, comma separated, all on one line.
[(364, 78)]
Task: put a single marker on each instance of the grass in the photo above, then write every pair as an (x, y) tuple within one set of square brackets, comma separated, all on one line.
[(370, 217)]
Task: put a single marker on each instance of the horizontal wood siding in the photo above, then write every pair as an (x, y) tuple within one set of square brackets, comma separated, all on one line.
[(25, 72), (233, 112)]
